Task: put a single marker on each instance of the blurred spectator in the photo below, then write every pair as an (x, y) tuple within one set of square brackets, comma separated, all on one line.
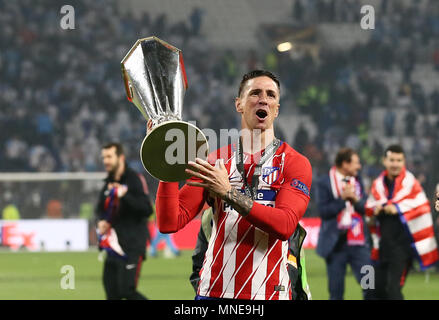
[(16, 154), (54, 209), (389, 122), (436, 59), (434, 101), (301, 139), (10, 212), (297, 10), (410, 122), (196, 20)]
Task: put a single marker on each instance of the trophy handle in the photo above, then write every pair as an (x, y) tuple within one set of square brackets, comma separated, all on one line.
[(128, 89), (183, 70), (168, 148)]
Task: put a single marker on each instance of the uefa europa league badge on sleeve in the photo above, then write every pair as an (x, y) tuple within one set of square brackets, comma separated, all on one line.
[(155, 81)]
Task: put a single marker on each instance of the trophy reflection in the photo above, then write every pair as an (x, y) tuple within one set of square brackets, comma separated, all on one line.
[(155, 81)]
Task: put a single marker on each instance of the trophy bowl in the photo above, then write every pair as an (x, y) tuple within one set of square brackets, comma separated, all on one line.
[(169, 146), (155, 82)]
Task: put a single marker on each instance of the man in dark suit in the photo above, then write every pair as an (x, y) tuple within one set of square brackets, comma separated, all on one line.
[(343, 234)]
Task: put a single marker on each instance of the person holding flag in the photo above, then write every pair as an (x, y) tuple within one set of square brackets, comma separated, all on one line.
[(107, 237), (122, 212), (401, 224)]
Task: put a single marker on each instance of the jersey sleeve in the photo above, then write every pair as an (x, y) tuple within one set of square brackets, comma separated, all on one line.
[(175, 208), (291, 201)]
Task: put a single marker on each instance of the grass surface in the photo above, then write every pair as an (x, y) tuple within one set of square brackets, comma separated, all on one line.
[(28, 276)]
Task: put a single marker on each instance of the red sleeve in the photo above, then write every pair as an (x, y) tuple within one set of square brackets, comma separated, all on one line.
[(291, 201), (176, 208)]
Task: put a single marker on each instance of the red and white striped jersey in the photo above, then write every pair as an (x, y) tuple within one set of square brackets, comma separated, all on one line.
[(247, 256), (243, 261)]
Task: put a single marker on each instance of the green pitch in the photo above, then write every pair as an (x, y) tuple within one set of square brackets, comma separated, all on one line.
[(25, 275)]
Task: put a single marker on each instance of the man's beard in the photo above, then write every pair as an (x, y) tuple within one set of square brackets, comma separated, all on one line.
[(114, 169)]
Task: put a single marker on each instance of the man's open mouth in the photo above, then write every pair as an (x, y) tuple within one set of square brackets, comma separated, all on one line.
[(261, 114)]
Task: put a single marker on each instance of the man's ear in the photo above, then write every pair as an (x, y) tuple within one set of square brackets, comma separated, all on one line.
[(238, 105), (277, 111), (122, 158)]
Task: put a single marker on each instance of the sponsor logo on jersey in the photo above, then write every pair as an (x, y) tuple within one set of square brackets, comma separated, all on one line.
[(263, 195), (300, 186)]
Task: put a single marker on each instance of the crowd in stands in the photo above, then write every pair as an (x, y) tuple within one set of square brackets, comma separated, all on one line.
[(62, 95), (343, 88)]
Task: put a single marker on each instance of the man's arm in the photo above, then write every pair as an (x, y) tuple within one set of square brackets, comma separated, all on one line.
[(102, 224), (99, 209), (360, 205), (136, 198), (239, 201), (176, 208), (291, 200), (282, 220)]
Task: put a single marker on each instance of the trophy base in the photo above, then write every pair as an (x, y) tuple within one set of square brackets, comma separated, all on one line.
[(168, 148)]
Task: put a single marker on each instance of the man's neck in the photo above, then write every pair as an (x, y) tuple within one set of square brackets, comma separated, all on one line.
[(391, 177), (254, 141), (119, 172), (341, 171)]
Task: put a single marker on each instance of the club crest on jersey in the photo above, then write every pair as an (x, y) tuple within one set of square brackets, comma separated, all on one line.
[(300, 186), (270, 174)]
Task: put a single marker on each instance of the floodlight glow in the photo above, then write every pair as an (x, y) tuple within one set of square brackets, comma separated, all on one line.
[(284, 46)]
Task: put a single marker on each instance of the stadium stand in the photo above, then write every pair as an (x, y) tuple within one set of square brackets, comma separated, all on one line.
[(62, 96)]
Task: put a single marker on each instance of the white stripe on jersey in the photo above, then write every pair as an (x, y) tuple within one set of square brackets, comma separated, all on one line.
[(270, 274), (229, 255), (283, 295), (206, 273), (249, 254), (261, 270), (257, 284), (284, 276), (224, 224)]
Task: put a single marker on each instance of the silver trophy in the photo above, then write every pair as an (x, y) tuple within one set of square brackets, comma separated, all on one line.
[(155, 81)]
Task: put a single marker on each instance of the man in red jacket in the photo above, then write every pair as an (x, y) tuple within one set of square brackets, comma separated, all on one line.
[(258, 189)]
